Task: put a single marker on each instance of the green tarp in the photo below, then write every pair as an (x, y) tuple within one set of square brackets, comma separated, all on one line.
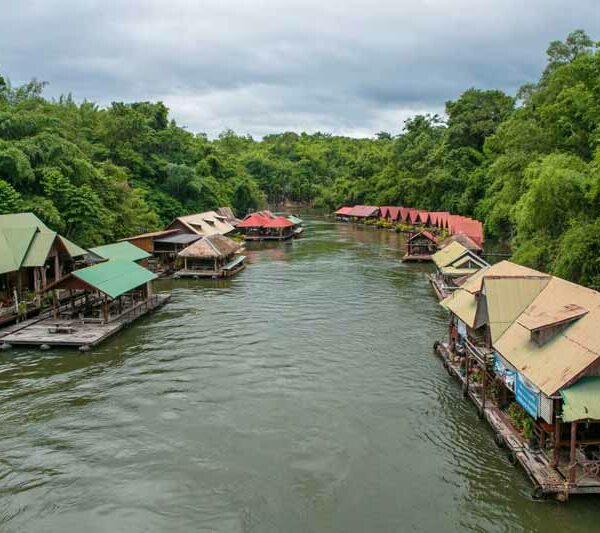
[(581, 401), (115, 277), (121, 250)]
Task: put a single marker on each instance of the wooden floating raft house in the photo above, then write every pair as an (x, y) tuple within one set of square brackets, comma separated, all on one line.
[(454, 263), (214, 256), (264, 226), (102, 299), (525, 347), (31, 257)]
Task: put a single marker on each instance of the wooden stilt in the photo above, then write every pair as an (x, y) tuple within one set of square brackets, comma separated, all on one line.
[(556, 451), (572, 458)]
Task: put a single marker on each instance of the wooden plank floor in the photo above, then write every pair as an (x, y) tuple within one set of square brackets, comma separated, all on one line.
[(534, 461), (36, 332)]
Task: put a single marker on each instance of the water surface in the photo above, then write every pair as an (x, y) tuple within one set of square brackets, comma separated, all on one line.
[(300, 396)]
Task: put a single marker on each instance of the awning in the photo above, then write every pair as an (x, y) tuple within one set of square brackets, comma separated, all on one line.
[(581, 401), (181, 238)]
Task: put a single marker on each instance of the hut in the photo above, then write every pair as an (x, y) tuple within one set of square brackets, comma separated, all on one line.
[(102, 299), (420, 246), (465, 241), (526, 347), (252, 227), (213, 256), (229, 215), (279, 228), (31, 257), (297, 227)]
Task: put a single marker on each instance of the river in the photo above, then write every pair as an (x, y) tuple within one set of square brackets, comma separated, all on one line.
[(300, 396)]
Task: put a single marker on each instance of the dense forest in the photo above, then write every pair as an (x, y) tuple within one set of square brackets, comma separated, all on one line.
[(528, 165)]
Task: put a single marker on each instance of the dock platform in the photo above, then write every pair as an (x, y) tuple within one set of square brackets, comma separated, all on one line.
[(72, 332)]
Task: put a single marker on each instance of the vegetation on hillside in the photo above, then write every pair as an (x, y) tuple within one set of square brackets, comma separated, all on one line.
[(528, 165)]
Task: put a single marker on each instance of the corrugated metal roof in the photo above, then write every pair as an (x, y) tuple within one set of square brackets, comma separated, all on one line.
[(255, 220), (553, 365), (278, 222), (21, 220), (150, 234), (39, 248), (121, 250), (115, 277), (72, 248), (458, 271), (507, 298), (581, 401), (463, 304), (449, 254), (344, 211), (207, 223)]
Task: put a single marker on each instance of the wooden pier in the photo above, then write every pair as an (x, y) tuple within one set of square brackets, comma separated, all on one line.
[(48, 331), (548, 481)]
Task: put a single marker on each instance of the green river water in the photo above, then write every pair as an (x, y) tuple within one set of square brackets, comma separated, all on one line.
[(301, 396)]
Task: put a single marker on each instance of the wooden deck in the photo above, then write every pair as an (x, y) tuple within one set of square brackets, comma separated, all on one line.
[(259, 238), (438, 288), (547, 480), (214, 274), (37, 332)]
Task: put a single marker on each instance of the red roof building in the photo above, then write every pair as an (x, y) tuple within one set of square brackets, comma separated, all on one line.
[(344, 211), (255, 220), (278, 222), (364, 211)]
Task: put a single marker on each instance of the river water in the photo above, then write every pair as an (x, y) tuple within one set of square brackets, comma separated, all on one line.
[(300, 396)]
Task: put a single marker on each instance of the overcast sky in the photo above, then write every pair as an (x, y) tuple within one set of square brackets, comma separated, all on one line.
[(261, 66)]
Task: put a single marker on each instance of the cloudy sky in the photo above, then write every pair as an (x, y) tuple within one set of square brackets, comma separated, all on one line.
[(352, 67)]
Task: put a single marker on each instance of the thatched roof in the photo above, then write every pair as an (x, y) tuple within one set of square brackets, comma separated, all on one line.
[(210, 247)]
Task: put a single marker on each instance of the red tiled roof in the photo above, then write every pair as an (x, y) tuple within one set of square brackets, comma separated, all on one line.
[(278, 222), (364, 211)]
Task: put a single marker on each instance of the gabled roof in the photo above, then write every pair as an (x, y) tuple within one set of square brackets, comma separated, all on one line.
[(449, 254), (278, 222), (25, 241), (210, 247), (574, 347), (151, 234), (553, 316), (113, 278), (364, 211), (121, 250), (428, 235), (423, 217), (255, 220), (207, 223), (383, 211), (344, 211), (465, 240)]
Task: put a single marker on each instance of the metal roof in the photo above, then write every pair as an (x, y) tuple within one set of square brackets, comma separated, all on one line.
[(121, 250), (207, 223), (14, 243), (364, 211), (344, 211), (553, 316), (581, 401), (294, 219), (449, 254), (278, 222), (150, 234), (573, 348), (507, 298), (255, 220), (180, 238), (115, 277)]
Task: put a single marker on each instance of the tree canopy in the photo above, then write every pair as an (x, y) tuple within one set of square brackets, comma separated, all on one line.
[(528, 165)]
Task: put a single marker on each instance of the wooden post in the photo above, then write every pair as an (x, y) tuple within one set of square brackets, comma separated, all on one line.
[(185, 263), (105, 310), (556, 451), (467, 365), (483, 385), (54, 310), (56, 268), (573, 459)]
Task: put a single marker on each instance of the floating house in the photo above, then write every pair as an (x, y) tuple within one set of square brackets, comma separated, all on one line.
[(101, 300), (343, 214), (420, 247), (214, 256), (297, 227), (262, 227), (526, 348), (454, 265), (31, 257), (363, 213)]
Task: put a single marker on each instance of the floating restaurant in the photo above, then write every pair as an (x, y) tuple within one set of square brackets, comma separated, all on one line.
[(525, 346)]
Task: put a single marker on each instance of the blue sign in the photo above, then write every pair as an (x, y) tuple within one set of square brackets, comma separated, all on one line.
[(527, 396)]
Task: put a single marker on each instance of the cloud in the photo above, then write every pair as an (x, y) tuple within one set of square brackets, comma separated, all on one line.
[(349, 67)]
